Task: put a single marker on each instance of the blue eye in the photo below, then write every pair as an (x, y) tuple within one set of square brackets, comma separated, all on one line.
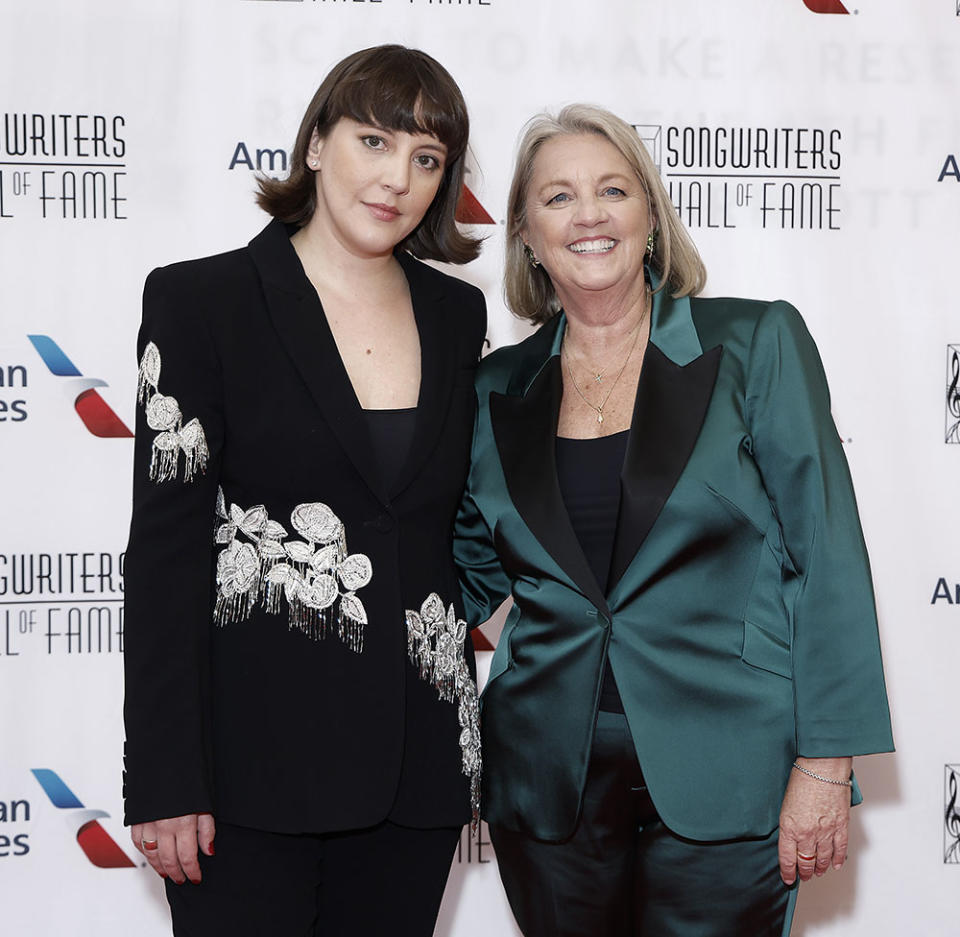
[(613, 190), (558, 198)]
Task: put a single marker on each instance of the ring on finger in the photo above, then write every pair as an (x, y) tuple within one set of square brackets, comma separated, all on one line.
[(800, 855), (148, 844)]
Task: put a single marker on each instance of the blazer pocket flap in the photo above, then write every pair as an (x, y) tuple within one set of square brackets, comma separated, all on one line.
[(764, 650)]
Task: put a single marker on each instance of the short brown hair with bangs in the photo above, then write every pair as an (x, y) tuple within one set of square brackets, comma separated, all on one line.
[(398, 89)]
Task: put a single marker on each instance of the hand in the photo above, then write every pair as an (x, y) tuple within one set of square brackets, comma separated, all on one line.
[(814, 820), (176, 838)]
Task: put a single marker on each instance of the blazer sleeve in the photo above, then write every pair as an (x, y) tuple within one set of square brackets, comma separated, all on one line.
[(483, 583), (168, 572), (840, 696)]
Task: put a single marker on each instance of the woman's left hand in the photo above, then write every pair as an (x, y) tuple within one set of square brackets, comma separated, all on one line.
[(814, 819)]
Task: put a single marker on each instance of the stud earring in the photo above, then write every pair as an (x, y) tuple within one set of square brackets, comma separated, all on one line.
[(531, 256)]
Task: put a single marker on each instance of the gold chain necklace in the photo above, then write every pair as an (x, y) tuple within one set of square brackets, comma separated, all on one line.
[(565, 355), (597, 375)]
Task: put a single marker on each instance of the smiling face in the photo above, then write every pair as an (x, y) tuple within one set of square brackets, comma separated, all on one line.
[(373, 185), (587, 217)]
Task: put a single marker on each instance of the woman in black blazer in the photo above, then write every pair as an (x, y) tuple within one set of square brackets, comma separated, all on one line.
[(297, 679)]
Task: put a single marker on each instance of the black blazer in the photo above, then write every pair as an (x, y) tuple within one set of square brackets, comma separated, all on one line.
[(256, 719)]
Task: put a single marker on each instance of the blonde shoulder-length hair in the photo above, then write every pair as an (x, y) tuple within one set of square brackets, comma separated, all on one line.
[(529, 291)]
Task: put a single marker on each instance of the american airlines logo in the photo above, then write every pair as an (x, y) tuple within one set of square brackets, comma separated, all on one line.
[(97, 844), (825, 6), (96, 414)]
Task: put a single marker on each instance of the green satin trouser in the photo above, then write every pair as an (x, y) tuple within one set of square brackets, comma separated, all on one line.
[(624, 874)]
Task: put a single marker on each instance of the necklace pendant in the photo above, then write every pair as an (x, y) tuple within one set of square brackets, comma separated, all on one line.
[(599, 414), (599, 378)]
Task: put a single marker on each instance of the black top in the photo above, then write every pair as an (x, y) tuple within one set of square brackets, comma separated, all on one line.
[(588, 471), (391, 432)]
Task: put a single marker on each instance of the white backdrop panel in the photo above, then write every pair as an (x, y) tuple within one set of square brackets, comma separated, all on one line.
[(120, 124)]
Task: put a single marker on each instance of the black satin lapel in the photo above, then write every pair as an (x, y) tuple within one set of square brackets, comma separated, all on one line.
[(301, 325), (525, 430), (668, 414), (438, 349)]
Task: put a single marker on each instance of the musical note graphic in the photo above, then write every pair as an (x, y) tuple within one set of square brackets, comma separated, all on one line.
[(953, 394), (951, 818)]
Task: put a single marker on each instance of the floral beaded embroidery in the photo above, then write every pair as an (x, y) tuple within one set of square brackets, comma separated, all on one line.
[(308, 573), (164, 416), (435, 641)]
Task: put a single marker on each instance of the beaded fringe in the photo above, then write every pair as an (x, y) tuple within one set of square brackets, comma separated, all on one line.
[(164, 416), (435, 646), (306, 573), (165, 462)]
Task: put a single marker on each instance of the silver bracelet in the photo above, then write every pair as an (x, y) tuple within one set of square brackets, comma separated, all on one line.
[(820, 777)]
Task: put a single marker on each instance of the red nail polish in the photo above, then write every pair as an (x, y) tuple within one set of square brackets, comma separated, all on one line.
[(213, 851)]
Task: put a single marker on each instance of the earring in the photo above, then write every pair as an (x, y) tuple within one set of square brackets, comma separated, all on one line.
[(531, 256), (651, 244)]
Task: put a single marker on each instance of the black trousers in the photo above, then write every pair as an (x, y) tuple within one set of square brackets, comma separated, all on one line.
[(624, 874), (387, 880)]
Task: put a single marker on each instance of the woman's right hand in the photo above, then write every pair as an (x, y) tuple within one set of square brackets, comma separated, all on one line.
[(170, 845)]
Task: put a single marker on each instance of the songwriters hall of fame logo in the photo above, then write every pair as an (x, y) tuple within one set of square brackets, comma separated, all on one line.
[(953, 394), (63, 166), (773, 177)]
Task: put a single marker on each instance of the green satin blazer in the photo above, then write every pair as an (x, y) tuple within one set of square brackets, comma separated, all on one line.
[(740, 619)]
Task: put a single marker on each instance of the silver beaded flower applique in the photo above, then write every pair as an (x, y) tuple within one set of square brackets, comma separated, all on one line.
[(308, 573), (164, 416), (435, 641)]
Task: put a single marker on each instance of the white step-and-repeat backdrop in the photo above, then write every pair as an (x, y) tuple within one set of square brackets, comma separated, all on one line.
[(812, 147)]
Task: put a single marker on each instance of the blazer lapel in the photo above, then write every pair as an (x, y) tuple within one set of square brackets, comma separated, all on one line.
[(301, 325), (437, 329), (674, 391), (525, 431)]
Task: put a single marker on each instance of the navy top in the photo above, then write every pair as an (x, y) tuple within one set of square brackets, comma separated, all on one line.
[(391, 433), (588, 471)]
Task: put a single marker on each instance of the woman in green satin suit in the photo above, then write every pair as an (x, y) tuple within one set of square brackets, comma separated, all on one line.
[(692, 658)]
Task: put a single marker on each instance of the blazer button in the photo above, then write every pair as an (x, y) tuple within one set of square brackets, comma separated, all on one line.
[(383, 523)]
